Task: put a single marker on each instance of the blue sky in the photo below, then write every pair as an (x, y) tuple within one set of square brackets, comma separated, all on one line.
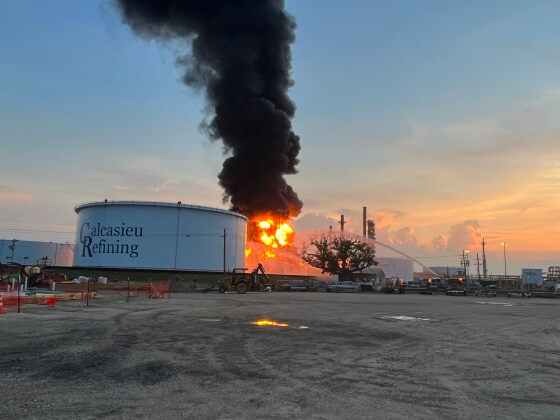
[(425, 111)]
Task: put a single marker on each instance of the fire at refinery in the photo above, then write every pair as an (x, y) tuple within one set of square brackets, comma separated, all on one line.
[(271, 241), (271, 234)]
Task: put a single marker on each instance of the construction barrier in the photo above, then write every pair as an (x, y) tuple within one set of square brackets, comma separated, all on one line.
[(119, 290), (84, 294), (135, 290), (14, 302), (159, 290)]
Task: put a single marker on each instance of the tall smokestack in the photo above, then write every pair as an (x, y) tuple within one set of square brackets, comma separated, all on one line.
[(239, 54)]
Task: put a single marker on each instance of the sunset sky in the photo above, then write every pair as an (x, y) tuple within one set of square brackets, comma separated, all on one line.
[(441, 117)]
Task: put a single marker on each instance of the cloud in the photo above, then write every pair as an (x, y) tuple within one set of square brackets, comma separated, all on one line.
[(529, 127), (439, 243), (11, 196), (151, 178), (403, 237), (314, 222), (464, 236), (387, 217)]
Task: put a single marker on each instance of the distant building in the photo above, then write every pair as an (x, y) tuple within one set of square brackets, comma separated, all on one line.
[(34, 252), (505, 282), (532, 276), (445, 271), (553, 273), (396, 267)]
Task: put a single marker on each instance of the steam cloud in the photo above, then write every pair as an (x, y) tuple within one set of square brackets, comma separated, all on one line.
[(240, 55)]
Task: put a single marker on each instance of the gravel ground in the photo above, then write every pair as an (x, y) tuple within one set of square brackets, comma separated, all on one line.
[(343, 356)]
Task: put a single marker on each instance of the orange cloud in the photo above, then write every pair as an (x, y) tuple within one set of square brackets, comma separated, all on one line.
[(11, 196)]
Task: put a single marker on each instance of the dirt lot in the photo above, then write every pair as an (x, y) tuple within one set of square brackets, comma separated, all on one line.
[(343, 356)]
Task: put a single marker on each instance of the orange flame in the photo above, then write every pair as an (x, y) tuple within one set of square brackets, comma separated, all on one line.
[(274, 233)]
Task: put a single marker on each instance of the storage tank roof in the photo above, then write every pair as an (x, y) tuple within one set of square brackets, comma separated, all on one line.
[(156, 204)]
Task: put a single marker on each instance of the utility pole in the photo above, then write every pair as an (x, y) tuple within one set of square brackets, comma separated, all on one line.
[(484, 269), (478, 266), (364, 222), (465, 263), (225, 259), (505, 261), (342, 223)]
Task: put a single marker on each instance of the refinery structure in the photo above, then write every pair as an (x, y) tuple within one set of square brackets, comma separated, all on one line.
[(143, 236), (36, 252)]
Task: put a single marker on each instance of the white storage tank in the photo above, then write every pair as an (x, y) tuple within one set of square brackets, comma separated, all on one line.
[(150, 235), (36, 252)]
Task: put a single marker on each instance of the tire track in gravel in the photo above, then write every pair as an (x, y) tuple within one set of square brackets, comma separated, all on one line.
[(249, 347)]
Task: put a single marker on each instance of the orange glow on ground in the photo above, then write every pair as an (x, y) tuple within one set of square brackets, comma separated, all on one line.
[(269, 323)]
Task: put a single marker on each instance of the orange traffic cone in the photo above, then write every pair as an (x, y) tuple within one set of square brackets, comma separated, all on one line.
[(2, 308), (51, 302)]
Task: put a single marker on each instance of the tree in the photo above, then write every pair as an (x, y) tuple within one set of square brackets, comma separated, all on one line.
[(339, 255)]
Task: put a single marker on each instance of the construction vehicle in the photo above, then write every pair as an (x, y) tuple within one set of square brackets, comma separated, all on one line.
[(28, 275), (242, 282)]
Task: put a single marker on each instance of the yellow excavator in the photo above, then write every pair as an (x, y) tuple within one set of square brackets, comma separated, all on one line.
[(242, 282)]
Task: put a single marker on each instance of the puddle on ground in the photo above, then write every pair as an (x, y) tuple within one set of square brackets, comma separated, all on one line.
[(494, 303), (276, 324), (404, 318)]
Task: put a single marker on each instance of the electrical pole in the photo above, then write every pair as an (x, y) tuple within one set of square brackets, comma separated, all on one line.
[(342, 223), (478, 266), (484, 269), (465, 263), (225, 259), (364, 222), (505, 261)]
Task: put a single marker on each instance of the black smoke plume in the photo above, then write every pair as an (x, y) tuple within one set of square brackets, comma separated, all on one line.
[(239, 53)]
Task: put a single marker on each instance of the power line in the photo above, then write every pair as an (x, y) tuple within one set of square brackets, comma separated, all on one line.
[(36, 230), (424, 257)]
